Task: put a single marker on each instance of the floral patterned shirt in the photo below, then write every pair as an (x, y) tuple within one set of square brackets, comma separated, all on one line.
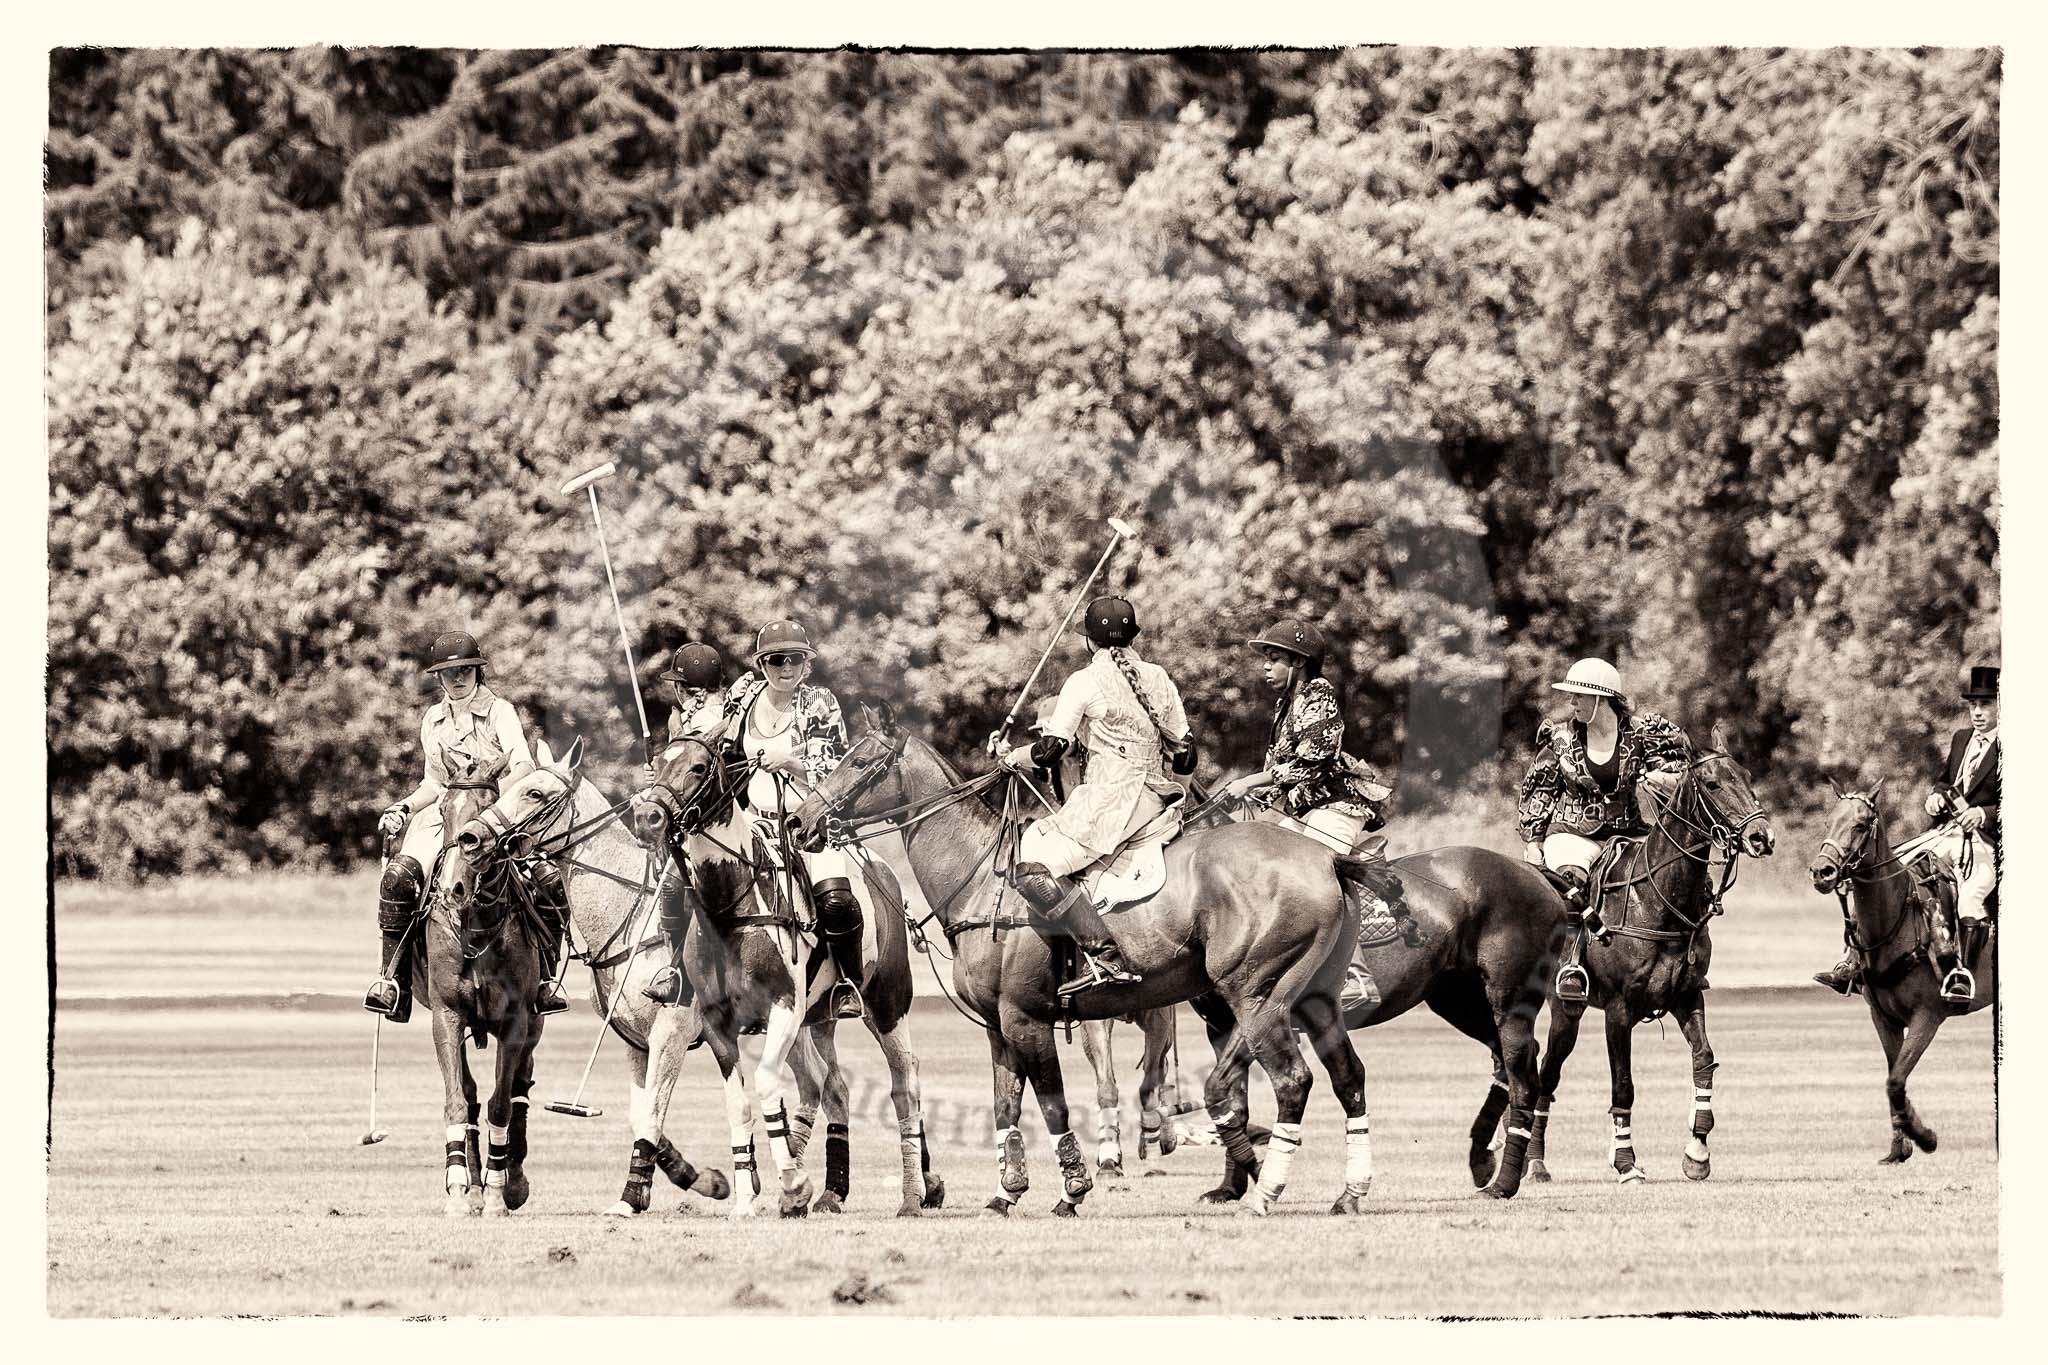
[(1307, 760), (1561, 792), (820, 728)]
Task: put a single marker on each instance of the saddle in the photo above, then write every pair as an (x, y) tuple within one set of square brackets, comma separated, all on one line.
[(1137, 870)]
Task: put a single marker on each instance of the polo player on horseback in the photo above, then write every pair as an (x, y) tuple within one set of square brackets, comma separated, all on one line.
[(471, 724), (1967, 835), (696, 693), (1127, 714), (794, 734), (1581, 791), (1308, 779)]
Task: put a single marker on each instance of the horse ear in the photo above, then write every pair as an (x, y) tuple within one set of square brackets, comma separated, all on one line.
[(1879, 788), (574, 756), (543, 757), (885, 718), (1718, 736), (1834, 786)]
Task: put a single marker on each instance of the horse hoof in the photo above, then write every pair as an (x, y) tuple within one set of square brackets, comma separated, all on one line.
[(828, 1202), (1063, 1209), (1697, 1170), (1348, 1203), (1110, 1170), (712, 1184), (934, 1192), (1894, 1158), (1078, 1186), (622, 1209), (997, 1207), (1253, 1207), (1924, 1139), (457, 1205), (1537, 1172), (743, 1207), (1632, 1176), (1222, 1194), (517, 1191), (797, 1203), (910, 1208), (494, 1205), (1497, 1192), (1484, 1167)]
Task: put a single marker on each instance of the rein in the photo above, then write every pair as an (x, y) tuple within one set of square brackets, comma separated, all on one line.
[(1854, 873), (1718, 831)]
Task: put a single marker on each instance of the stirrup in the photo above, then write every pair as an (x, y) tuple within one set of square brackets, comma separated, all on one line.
[(1572, 983), (550, 999), (1360, 988), (382, 997), (1959, 987), (846, 1001), (666, 986), (1096, 971)]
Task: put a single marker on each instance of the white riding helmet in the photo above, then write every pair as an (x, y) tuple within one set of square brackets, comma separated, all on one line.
[(1593, 678)]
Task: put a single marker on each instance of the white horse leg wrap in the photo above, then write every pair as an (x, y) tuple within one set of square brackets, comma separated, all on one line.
[(1703, 1100), (1280, 1150), (1357, 1154), (910, 1142), (1108, 1146), (458, 1155), (777, 1120), (500, 1155)]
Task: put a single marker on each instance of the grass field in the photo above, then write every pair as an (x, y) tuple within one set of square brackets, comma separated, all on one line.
[(204, 1161)]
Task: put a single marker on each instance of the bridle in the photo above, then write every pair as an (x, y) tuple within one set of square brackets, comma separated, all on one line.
[(891, 819), (1851, 872), (1720, 831)]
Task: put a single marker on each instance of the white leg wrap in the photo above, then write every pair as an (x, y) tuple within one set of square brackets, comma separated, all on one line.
[(1108, 1122), (777, 1120), (1280, 1152), (1702, 1099), (1623, 1137), (910, 1141), (1357, 1154)]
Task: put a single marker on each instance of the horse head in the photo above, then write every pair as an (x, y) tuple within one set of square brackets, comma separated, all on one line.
[(692, 788), (855, 788), (1851, 831), (536, 804), (1734, 814)]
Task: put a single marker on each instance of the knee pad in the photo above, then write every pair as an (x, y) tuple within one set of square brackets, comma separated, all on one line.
[(398, 893), (838, 912), (547, 882)]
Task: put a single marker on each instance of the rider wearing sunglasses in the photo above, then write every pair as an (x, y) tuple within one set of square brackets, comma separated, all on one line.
[(1581, 790), (794, 734), (469, 725)]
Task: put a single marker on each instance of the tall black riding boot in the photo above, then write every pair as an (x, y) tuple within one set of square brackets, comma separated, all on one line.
[(1064, 905), (839, 923), (398, 898), (677, 900), (1573, 984), (1959, 986), (551, 899)]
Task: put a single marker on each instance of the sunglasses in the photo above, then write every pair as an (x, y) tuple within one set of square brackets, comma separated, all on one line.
[(782, 660)]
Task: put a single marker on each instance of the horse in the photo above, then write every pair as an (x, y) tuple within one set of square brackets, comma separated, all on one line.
[(608, 885), (1248, 921), (482, 973), (1652, 959), (1893, 930), (746, 904), (1156, 1094)]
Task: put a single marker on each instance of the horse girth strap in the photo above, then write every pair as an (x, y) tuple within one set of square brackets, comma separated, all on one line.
[(998, 921), (626, 954)]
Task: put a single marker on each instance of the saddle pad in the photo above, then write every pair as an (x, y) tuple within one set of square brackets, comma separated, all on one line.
[(1136, 871), (1376, 923)]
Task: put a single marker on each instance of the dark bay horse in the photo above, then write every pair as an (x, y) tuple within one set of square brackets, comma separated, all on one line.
[(746, 904), (1248, 921), (609, 886), (1481, 937), (1652, 958), (482, 974), (1892, 928)]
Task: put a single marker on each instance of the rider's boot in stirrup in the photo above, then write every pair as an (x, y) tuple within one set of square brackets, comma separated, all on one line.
[(1959, 987), (676, 901), (1840, 977), (839, 923), (551, 898), (398, 898), (1573, 984), (1064, 905)]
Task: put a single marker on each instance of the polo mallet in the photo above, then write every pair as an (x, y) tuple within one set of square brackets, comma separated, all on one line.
[(575, 1107), (376, 1134), (589, 480), (1122, 531)]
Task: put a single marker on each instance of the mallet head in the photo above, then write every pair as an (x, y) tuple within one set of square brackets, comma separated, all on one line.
[(588, 477), (1123, 528), (373, 1136), (573, 1109)]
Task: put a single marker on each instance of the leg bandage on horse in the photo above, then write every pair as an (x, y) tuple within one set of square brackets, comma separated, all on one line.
[(840, 925)]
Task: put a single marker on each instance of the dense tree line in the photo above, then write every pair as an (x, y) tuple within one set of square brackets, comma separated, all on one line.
[(1482, 359)]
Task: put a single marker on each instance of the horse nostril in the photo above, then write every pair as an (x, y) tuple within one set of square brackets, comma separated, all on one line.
[(649, 819)]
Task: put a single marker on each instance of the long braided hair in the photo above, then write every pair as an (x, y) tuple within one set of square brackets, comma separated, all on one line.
[(1121, 657)]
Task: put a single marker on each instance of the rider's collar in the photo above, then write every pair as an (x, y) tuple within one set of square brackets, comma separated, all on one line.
[(477, 703)]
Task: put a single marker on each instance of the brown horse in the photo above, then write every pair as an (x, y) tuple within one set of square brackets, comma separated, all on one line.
[(1892, 928), (1651, 957), (1249, 917), (482, 974), (745, 902)]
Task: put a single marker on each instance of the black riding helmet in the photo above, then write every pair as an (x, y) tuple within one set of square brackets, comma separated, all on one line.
[(695, 665), (1110, 621), (1294, 637), (454, 649)]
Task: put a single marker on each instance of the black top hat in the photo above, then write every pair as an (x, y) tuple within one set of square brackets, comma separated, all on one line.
[(1980, 683)]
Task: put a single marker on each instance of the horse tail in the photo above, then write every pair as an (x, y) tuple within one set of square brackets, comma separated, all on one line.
[(1375, 875)]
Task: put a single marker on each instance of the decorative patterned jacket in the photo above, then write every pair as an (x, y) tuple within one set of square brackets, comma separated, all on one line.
[(1307, 760), (820, 728), (1561, 794)]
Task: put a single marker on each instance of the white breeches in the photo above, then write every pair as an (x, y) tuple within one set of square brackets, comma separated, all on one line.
[(1973, 889), (1562, 850), (422, 841), (1060, 854), (1339, 829)]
